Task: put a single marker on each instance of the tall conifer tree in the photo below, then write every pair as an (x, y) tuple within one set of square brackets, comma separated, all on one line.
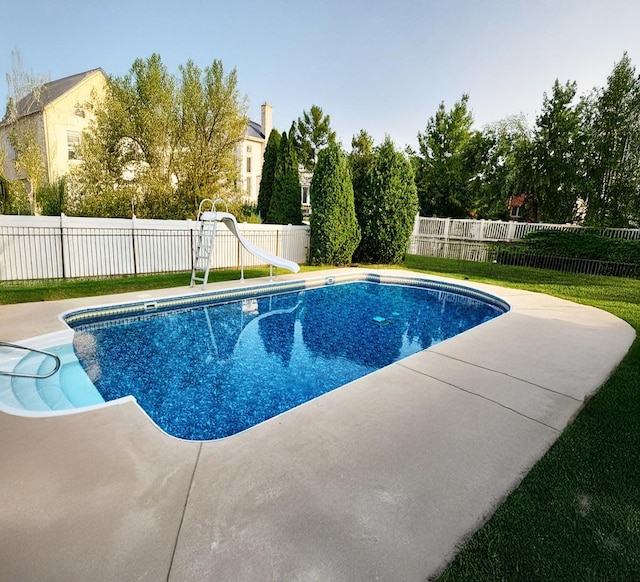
[(285, 207), (335, 233), (268, 174), (388, 212)]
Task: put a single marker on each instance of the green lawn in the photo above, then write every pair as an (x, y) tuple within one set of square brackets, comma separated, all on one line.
[(49, 290), (576, 515)]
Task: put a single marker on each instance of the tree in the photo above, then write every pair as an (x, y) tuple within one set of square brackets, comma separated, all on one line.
[(613, 169), (285, 207), (514, 156), (129, 150), (557, 156), (26, 134), (360, 160), (388, 212), (212, 122), (268, 174), (441, 174), (335, 233), (312, 133), (158, 143)]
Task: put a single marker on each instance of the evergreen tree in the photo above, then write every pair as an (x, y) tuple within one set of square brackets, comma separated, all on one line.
[(312, 133), (388, 212), (285, 207), (268, 174), (360, 160), (335, 233)]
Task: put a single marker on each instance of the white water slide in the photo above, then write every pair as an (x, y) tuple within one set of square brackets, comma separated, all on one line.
[(205, 242)]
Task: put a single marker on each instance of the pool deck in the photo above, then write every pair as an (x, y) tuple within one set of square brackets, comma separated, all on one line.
[(378, 480)]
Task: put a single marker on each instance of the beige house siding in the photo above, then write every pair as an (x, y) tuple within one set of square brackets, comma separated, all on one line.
[(65, 119), (250, 154), (58, 121)]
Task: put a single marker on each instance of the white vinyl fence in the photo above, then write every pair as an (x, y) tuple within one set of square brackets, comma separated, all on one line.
[(52, 247), (498, 230), (471, 240)]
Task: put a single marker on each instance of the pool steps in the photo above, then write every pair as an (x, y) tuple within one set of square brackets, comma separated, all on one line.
[(68, 388)]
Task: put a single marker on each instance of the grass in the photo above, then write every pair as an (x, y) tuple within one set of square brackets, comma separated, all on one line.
[(53, 289), (576, 515)]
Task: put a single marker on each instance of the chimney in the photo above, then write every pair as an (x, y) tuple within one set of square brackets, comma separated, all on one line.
[(267, 119)]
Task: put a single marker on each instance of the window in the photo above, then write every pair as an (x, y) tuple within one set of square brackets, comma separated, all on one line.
[(73, 145), (248, 149), (248, 165), (305, 194), (248, 186)]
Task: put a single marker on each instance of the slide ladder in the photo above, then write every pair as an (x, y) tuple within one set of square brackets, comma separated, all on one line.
[(208, 218), (204, 242)]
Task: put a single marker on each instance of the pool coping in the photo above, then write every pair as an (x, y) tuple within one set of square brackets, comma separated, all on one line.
[(379, 479)]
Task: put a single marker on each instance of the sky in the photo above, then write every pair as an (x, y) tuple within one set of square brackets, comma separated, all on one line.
[(380, 66)]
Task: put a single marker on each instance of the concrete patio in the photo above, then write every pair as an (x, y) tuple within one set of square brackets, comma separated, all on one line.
[(378, 480)]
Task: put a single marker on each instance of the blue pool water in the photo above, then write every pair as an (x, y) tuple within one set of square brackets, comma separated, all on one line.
[(209, 372)]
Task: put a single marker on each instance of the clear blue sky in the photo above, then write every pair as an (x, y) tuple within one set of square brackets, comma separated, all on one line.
[(381, 66)]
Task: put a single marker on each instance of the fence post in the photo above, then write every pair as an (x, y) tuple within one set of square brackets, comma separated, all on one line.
[(133, 243), (511, 230), (64, 270), (416, 225), (447, 224)]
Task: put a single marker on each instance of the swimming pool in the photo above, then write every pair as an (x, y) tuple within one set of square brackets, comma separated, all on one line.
[(210, 366)]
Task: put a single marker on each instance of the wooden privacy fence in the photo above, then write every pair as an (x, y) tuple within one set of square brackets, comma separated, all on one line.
[(52, 247)]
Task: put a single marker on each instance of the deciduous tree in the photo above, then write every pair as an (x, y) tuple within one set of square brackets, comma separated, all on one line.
[(558, 156), (614, 162), (441, 175), (26, 133), (159, 144)]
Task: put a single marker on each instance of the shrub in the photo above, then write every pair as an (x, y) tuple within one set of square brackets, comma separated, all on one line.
[(388, 211), (335, 233), (580, 244)]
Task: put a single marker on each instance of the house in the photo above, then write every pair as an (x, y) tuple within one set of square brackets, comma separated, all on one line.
[(59, 116), (58, 113), (516, 207), (250, 153)]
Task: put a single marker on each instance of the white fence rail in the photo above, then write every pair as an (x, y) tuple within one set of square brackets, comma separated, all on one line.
[(51, 247), (497, 230)]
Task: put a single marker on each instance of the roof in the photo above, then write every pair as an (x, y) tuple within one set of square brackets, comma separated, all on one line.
[(254, 129), (517, 201), (50, 92)]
